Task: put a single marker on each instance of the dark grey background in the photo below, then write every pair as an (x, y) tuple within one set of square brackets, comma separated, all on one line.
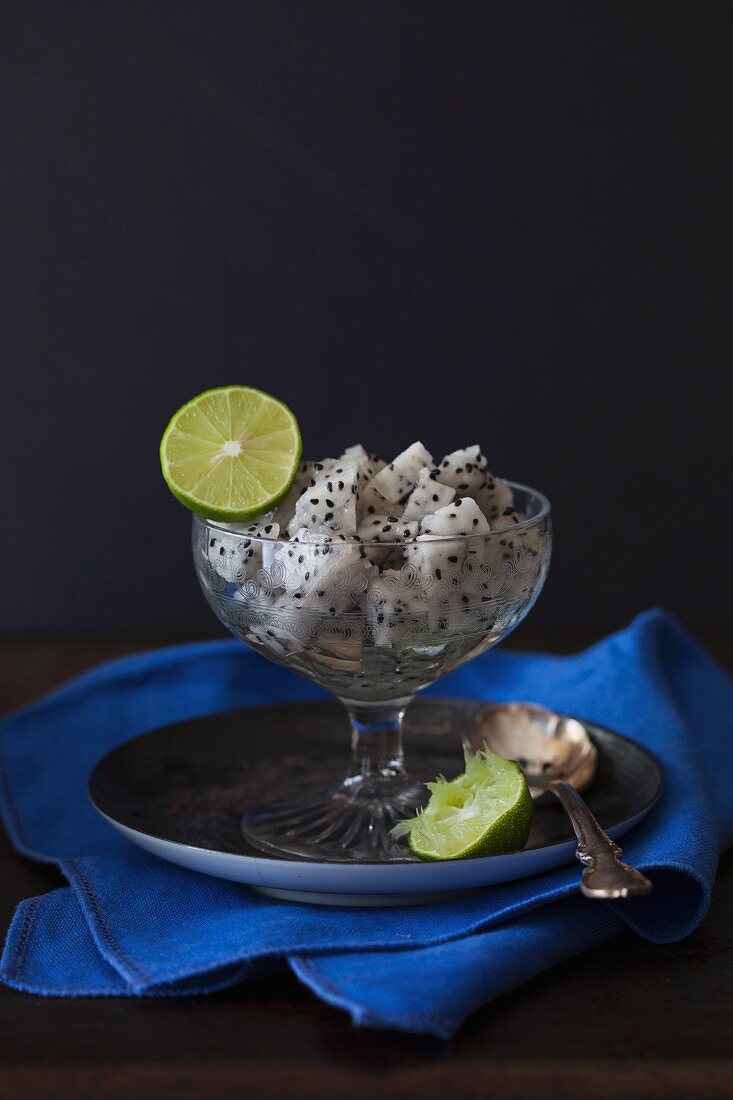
[(496, 223)]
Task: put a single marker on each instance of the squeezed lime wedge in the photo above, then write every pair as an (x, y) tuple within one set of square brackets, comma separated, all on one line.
[(231, 453), (486, 811)]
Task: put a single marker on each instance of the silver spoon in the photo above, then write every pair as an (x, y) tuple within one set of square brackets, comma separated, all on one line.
[(557, 756)]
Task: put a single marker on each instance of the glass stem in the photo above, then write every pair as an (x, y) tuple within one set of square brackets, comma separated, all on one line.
[(376, 740)]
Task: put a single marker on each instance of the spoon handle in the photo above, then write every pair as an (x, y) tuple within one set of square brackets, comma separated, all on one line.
[(604, 875)]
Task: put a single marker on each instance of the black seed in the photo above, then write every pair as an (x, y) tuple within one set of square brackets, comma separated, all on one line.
[(446, 463), (307, 575), (387, 527), (453, 558), (459, 469), (435, 496), (330, 504), (221, 551), (340, 485), (452, 515), (328, 516), (268, 529), (438, 574), (475, 523), (314, 500)]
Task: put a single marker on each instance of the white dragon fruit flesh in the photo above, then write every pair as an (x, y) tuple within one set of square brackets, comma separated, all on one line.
[(237, 554), (383, 606), (496, 501), (397, 480), (388, 531), (323, 573), (329, 504), (307, 475), (368, 465), (437, 559), (399, 546), (464, 470), (442, 559), (462, 517), (371, 502), (428, 495)]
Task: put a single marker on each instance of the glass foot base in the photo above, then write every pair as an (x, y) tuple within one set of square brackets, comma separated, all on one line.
[(347, 823)]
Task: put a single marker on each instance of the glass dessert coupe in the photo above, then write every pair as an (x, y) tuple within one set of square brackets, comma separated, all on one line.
[(374, 624)]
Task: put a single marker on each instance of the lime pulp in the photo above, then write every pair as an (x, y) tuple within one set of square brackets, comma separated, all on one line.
[(487, 810)]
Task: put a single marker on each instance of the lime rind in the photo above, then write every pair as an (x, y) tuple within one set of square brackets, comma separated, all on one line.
[(487, 810), (211, 473)]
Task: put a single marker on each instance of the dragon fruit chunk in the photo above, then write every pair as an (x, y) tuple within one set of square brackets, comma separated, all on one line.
[(439, 560), (389, 530), (238, 554), (325, 574), (397, 480), (371, 502), (462, 517), (368, 465), (383, 606), (442, 559), (428, 495), (496, 501), (330, 503), (464, 470)]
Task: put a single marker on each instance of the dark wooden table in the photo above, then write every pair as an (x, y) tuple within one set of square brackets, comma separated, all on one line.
[(629, 1020)]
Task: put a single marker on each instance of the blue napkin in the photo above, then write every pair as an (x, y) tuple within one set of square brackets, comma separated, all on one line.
[(129, 924)]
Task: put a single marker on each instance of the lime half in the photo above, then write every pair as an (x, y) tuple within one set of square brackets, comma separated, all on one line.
[(231, 453), (483, 812)]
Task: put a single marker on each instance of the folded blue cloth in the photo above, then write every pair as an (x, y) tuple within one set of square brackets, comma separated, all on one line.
[(129, 924)]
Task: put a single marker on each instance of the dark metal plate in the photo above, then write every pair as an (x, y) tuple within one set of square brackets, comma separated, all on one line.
[(190, 782)]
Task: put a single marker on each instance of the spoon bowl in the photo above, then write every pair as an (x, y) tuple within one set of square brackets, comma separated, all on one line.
[(547, 746), (558, 758)]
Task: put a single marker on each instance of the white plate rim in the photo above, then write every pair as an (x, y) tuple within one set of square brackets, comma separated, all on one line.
[(365, 878)]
